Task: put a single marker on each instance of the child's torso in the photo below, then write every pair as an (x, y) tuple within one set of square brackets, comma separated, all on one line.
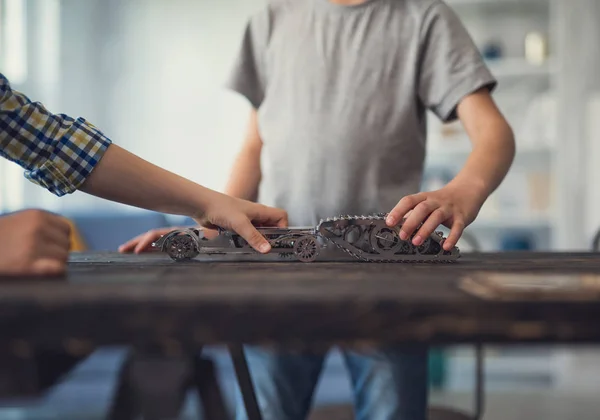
[(341, 123)]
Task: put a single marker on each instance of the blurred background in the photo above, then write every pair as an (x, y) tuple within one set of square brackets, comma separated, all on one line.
[(149, 73)]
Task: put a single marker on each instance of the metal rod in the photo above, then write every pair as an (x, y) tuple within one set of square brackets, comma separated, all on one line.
[(123, 405), (245, 382), (479, 382), (213, 403)]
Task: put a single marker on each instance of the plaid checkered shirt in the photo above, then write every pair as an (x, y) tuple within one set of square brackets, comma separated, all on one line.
[(57, 151)]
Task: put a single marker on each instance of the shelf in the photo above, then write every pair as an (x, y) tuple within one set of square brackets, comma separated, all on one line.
[(520, 67), (514, 371), (461, 148), (463, 3), (516, 222)]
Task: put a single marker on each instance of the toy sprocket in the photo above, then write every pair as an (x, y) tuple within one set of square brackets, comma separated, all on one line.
[(369, 238), (366, 238)]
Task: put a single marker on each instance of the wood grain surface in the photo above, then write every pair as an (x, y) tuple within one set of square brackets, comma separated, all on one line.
[(145, 300)]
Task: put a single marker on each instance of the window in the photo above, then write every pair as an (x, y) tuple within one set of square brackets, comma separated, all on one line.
[(13, 40), (13, 64)]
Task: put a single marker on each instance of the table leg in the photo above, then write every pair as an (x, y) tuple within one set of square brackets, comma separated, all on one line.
[(53, 366), (245, 382), (479, 382), (19, 377), (155, 387), (31, 373), (124, 406), (209, 391)]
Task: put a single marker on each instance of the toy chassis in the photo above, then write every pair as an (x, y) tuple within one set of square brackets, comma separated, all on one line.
[(366, 238)]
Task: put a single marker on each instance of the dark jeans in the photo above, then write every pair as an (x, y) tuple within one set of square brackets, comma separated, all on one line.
[(387, 384)]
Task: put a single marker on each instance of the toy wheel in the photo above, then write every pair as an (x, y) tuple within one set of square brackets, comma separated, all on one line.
[(406, 248), (353, 234), (306, 249), (181, 247), (385, 240), (429, 247)]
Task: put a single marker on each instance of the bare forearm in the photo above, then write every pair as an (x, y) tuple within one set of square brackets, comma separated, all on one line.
[(125, 178), (490, 160), (493, 145), (245, 177)]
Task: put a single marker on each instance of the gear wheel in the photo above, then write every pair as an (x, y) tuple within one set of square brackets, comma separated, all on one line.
[(353, 234), (381, 243), (306, 248), (429, 247), (182, 247), (385, 240)]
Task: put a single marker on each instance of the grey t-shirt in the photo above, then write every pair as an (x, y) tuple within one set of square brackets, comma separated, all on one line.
[(342, 93)]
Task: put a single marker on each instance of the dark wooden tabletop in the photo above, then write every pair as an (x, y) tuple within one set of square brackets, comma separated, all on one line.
[(109, 298)]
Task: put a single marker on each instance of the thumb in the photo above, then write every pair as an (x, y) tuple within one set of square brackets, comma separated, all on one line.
[(247, 231)]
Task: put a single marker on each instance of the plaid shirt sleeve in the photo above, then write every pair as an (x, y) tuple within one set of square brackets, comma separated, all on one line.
[(57, 151)]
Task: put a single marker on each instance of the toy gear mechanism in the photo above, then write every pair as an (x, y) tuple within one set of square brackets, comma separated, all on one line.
[(366, 238)]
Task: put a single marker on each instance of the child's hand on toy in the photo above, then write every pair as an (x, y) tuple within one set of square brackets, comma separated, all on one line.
[(227, 212), (454, 206), (242, 217)]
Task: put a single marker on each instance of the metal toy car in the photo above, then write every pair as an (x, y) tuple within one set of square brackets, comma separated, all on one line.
[(366, 238)]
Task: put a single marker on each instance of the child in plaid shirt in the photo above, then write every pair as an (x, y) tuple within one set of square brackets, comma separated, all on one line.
[(63, 155)]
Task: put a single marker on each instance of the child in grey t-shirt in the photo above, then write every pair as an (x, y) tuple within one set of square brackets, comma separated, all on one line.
[(340, 93), (340, 90)]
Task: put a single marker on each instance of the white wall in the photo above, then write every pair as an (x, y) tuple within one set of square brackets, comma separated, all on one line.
[(150, 74), (79, 89), (592, 190), (170, 93), (167, 102), (579, 35), (592, 219), (164, 70)]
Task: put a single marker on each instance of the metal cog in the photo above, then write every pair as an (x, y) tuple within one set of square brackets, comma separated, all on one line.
[(429, 247), (306, 248), (385, 240), (182, 247), (353, 234)]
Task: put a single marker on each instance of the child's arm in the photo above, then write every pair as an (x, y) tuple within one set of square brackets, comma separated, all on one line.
[(243, 184), (457, 204), (493, 144), (123, 177), (454, 82), (245, 175), (65, 155)]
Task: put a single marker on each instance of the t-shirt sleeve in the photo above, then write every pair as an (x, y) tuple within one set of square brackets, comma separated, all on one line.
[(450, 66), (248, 76)]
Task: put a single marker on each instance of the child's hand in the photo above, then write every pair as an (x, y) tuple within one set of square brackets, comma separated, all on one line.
[(242, 216), (34, 242), (228, 213), (454, 206)]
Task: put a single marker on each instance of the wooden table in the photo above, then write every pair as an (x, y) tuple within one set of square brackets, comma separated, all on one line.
[(167, 311)]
